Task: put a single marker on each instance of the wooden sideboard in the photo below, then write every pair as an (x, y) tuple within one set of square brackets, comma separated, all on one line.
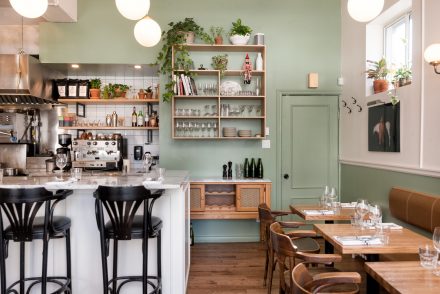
[(228, 199)]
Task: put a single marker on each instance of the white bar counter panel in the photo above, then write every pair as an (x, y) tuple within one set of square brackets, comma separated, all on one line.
[(172, 207)]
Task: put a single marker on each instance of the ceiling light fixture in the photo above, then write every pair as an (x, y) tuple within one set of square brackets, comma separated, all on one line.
[(30, 8), (133, 9), (147, 32), (137, 66), (75, 65), (432, 55), (364, 10)]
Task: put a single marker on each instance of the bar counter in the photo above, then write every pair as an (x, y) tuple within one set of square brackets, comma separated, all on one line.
[(172, 207)]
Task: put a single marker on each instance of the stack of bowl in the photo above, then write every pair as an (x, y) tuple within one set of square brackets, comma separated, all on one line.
[(244, 133), (229, 132)]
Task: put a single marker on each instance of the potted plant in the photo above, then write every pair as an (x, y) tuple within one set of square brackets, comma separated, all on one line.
[(220, 62), (149, 93), (240, 33), (378, 71), (120, 90), (95, 89), (217, 34), (403, 76), (175, 37)]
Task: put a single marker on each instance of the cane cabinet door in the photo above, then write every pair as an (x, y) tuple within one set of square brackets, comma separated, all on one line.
[(197, 193), (249, 197)]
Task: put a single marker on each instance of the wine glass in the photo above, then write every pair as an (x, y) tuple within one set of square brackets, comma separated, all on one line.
[(209, 128), (362, 208), (214, 127), (61, 161), (436, 242), (376, 217), (203, 127), (323, 200)]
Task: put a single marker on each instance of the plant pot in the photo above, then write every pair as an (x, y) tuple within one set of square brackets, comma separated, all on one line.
[(218, 40), (239, 40), (380, 86), (149, 95), (95, 93), (141, 95), (189, 37)]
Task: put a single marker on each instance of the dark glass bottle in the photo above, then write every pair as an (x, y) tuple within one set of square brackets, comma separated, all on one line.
[(260, 171), (246, 168), (252, 168), (191, 233)]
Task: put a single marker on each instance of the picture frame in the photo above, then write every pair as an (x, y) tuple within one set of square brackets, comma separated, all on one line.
[(384, 128), (80, 110)]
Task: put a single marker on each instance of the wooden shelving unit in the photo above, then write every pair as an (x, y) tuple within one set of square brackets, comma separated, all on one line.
[(107, 101), (107, 128), (219, 99)]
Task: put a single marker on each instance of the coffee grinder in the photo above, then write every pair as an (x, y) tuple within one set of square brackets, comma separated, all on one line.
[(65, 140)]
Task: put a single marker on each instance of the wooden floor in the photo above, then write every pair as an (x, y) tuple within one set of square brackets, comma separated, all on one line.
[(239, 268)]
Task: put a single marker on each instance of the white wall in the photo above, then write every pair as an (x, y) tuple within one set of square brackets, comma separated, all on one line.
[(419, 101)]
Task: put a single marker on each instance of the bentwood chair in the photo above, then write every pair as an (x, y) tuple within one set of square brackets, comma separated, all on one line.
[(301, 238), (20, 207), (304, 282), (287, 250), (121, 205)]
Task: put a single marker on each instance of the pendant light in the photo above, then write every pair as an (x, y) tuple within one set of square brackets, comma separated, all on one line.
[(133, 9), (30, 8), (364, 10), (147, 32)]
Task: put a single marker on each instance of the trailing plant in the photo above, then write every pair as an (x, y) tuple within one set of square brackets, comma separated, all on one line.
[(378, 69), (175, 36), (240, 29), (95, 84), (220, 62), (393, 97)]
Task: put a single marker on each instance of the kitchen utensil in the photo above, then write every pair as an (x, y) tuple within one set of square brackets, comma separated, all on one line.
[(9, 171)]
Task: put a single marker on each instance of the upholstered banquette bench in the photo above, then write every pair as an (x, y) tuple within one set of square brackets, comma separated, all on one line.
[(415, 208)]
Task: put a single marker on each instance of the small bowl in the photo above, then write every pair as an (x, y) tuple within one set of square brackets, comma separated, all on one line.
[(239, 40)]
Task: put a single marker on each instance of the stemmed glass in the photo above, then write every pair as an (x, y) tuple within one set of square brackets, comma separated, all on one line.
[(249, 109), (200, 89), (191, 129), (203, 127), (61, 161), (214, 127), (209, 127), (207, 113), (323, 200), (361, 210), (436, 242), (376, 217)]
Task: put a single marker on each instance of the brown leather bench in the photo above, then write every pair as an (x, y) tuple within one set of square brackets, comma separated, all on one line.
[(415, 208)]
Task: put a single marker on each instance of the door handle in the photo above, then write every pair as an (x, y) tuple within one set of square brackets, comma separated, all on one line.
[(286, 176)]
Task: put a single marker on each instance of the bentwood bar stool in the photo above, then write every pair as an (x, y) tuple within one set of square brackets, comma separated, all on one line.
[(121, 205), (20, 207)]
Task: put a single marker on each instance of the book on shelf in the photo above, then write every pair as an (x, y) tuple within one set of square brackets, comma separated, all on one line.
[(184, 85)]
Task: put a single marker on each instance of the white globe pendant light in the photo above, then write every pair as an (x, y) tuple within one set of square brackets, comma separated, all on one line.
[(133, 9), (147, 32), (30, 8), (432, 55), (364, 10)]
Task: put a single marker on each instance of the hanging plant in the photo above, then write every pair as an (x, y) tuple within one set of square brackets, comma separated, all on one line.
[(176, 36)]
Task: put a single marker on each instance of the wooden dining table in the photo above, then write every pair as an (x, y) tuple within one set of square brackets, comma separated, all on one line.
[(405, 277), (343, 214), (400, 241)]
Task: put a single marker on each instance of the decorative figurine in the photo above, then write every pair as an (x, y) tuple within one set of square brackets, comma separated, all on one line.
[(225, 173), (201, 67), (229, 169), (247, 70)]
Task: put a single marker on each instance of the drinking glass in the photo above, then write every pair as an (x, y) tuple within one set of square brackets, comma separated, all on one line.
[(213, 110), (214, 127), (436, 242), (203, 127), (191, 128), (178, 129), (209, 128), (362, 208), (249, 109), (242, 108), (200, 89), (324, 196), (207, 113), (186, 129), (197, 129), (376, 215), (61, 161)]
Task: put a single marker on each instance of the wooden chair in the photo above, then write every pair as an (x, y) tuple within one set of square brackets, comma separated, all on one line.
[(287, 249), (303, 282), (300, 238)]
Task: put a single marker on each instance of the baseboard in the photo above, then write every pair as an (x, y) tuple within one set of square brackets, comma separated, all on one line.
[(226, 239)]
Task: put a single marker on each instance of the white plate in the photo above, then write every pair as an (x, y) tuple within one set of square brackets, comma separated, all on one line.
[(229, 88)]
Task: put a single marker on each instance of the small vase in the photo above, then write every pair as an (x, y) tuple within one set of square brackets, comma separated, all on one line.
[(259, 62)]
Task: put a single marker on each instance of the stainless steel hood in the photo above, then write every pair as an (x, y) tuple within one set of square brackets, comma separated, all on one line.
[(25, 82)]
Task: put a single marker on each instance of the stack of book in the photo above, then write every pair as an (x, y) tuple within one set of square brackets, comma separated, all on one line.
[(184, 85)]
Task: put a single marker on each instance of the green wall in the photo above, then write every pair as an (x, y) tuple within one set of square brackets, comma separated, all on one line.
[(302, 36), (375, 184)]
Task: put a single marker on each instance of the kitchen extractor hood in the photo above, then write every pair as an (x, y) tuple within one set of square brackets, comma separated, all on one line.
[(25, 82)]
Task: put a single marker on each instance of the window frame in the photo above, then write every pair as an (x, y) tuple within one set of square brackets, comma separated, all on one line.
[(407, 19)]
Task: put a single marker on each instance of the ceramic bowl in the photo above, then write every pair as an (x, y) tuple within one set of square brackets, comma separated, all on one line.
[(239, 40)]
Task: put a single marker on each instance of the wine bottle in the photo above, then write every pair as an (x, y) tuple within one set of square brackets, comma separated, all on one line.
[(260, 172), (134, 118), (252, 168), (140, 119), (246, 168)]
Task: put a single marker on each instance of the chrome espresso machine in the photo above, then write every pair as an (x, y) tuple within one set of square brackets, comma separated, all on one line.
[(105, 154)]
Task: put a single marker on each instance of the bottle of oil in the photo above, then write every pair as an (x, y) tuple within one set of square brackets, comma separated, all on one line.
[(134, 118)]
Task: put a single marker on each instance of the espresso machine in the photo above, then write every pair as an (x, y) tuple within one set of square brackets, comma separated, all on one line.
[(105, 154), (65, 140)]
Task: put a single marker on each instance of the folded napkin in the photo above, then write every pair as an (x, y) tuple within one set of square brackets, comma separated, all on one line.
[(358, 240), (60, 183), (318, 212), (391, 226), (348, 205)]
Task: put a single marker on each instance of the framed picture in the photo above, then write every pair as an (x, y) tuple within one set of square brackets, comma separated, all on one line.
[(79, 133), (384, 128), (80, 110)]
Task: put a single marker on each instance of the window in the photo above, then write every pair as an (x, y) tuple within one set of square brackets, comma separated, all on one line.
[(398, 42)]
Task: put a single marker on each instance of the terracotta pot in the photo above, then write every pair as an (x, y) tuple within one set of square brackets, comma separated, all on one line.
[(149, 95), (141, 95), (218, 40), (95, 93), (380, 86)]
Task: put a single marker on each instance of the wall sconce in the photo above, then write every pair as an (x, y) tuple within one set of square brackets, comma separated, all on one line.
[(364, 10), (432, 55)]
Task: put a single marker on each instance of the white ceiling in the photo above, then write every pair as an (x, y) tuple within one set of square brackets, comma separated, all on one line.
[(58, 11)]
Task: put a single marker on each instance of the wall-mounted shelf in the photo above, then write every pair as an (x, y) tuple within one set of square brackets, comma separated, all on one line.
[(108, 128), (107, 101)]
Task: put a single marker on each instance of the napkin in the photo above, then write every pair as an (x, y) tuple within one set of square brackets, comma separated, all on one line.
[(59, 183), (318, 212), (358, 240), (348, 205), (391, 226)]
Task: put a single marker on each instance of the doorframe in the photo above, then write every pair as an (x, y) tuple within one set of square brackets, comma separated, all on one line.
[(279, 97)]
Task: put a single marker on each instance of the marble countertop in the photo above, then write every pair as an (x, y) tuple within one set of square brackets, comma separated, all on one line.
[(173, 179), (233, 180)]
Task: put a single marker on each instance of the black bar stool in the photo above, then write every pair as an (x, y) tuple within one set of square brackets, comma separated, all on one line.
[(21, 207), (121, 205)]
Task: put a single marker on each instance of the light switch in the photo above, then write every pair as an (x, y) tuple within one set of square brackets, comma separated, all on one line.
[(313, 80), (340, 81), (265, 144), (267, 131)]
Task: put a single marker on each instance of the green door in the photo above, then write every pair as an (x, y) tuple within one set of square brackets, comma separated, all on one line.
[(309, 130)]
